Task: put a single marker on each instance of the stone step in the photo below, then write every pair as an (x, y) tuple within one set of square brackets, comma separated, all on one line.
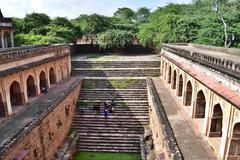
[(113, 98), (123, 92), (99, 125), (116, 113), (119, 103), (87, 121), (102, 131), (108, 149), (116, 145), (114, 84), (111, 116), (117, 73), (118, 109), (108, 140), (115, 64)]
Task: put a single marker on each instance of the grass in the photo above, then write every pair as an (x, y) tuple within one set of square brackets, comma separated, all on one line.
[(100, 57), (106, 156), (124, 83)]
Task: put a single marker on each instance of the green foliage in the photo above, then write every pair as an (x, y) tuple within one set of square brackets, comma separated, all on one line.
[(124, 83), (198, 22), (142, 15), (192, 23), (35, 21), (106, 156), (29, 39), (114, 38), (125, 14), (92, 24)]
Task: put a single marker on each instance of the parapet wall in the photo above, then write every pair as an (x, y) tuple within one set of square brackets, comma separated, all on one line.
[(94, 48), (44, 136), (222, 65), (165, 144)]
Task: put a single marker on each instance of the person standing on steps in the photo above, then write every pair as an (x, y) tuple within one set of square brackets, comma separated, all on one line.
[(112, 105), (98, 107), (105, 112), (95, 106)]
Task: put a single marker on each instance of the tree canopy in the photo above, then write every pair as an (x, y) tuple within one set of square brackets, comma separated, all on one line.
[(213, 22)]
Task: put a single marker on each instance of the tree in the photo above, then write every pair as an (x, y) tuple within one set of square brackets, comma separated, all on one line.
[(62, 21), (126, 14), (142, 14), (114, 38), (35, 21), (92, 24)]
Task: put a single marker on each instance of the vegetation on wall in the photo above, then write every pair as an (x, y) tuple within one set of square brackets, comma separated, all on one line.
[(214, 22)]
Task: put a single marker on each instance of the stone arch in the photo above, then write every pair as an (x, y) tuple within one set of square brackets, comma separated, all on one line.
[(52, 76), (234, 149), (174, 79), (169, 74), (180, 86), (200, 105), (42, 80), (216, 122), (31, 87), (188, 96), (2, 107), (16, 96)]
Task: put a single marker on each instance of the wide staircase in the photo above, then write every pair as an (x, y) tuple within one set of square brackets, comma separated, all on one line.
[(121, 131), (116, 68)]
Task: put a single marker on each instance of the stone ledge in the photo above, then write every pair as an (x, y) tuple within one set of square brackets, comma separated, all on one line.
[(17, 53), (15, 129), (170, 143), (30, 65), (230, 67)]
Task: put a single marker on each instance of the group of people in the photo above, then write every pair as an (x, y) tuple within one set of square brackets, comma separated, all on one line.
[(108, 107)]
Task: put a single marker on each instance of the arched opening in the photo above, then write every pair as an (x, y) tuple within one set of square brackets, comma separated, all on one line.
[(16, 96), (234, 150), (174, 79), (188, 97), (52, 76), (180, 86), (43, 80), (2, 108), (200, 105), (216, 122), (169, 74), (31, 87)]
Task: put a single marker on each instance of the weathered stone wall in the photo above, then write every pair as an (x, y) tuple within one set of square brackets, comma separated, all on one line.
[(61, 71), (165, 145), (43, 141), (91, 48)]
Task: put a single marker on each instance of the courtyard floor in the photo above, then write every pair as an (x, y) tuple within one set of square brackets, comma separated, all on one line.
[(191, 143)]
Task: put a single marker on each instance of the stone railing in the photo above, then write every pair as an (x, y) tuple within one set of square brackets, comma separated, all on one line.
[(225, 66), (17, 53), (165, 144)]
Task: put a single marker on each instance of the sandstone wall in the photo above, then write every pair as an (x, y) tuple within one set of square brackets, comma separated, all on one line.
[(43, 141), (165, 145)]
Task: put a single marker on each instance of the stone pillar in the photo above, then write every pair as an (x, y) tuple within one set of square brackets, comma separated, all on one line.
[(12, 39), (2, 39)]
